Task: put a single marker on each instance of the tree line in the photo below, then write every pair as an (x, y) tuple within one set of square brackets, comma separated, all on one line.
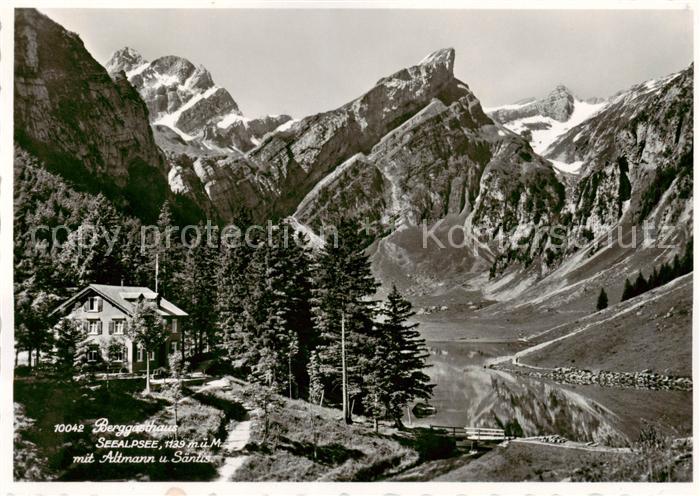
[(660, 275), (298, 322)]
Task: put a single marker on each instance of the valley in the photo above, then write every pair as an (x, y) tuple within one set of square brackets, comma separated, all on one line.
[(529, 265)]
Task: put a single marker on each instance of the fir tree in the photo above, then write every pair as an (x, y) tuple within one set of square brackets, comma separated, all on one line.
[(33, 322), (69, 335), (92, 253), (343, 314), (627, 292), (687, 260), (640, 285), (602, 302), (199, 291), (169, 254), (406, 359)]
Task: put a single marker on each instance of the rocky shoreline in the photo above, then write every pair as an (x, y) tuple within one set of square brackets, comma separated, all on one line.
[(628, 380)]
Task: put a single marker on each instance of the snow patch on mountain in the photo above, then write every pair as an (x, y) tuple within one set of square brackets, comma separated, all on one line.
[(546, 130)]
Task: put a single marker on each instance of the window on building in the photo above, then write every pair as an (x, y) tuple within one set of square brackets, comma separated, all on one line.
[(173, 347), (140, 353), (119, 327), (152, 355), (94, 326), (174, 326), (94, 304), (92, 355), (119, 355)]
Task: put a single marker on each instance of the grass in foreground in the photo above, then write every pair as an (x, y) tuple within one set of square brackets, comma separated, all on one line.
[(308, 442), (44, 403)]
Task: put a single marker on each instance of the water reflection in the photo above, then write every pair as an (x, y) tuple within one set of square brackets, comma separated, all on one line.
[(467, 394)]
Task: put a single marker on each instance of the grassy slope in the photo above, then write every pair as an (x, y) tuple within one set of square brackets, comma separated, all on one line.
[(529, 462), (342, 453), (522, 461), (655, 335), (49, 402)]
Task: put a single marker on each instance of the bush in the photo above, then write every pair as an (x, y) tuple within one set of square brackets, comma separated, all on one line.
[(434, 446), (23, 371), (217, 367)]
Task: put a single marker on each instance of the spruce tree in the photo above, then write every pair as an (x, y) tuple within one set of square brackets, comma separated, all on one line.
[(69, 334), (602, 302), (407, 357), (675, 267), (343, 314), (232, 290), (93, 252), (627, 291), (687, 260), (640, 285), (198, 288)]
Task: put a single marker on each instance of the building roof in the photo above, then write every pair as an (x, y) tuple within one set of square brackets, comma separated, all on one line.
[(125, 298)]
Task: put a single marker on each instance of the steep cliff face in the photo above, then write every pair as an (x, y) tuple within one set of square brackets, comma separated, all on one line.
[(448, 165), (182, 98), (82, 124), (558, 105), (289, 162), (636, 158)]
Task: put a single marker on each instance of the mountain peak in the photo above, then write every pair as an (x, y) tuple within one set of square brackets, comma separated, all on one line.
[(561, 88), (445, 57), (124, 59)]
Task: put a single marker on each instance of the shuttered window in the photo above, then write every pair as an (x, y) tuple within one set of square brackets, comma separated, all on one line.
[(94, 304), (95, 327), (117, 326)]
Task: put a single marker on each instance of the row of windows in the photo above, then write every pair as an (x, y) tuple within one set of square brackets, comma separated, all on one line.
[(116, 326), (119, 356)]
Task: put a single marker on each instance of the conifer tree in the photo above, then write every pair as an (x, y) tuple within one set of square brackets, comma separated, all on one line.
[(343, 313), (602, 302), (627, 291), (640, 285), (169, 254), (675, 267), (687, 260), (406, 357), (93, 252), (232, 290), (69, 334), (198, 286)]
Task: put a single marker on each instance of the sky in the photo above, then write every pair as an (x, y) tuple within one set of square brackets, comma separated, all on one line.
[(300, 62)]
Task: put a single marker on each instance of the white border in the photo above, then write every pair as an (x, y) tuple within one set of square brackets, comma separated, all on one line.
[(9, 487)]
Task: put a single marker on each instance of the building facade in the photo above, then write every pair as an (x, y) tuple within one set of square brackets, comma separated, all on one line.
[(104, 311)]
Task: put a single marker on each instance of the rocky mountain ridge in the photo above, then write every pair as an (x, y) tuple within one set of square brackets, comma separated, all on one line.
[(82, 124), (543, 121), (182, 98), (416, 149)]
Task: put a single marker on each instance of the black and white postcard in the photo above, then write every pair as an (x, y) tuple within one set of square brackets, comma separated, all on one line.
[(343, 242)]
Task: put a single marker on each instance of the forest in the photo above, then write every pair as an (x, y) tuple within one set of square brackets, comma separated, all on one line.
[(294, 320)]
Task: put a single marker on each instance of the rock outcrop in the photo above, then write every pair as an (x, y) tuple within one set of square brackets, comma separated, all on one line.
[(636, 158), (69, 113), (558, 105), (183, 97)]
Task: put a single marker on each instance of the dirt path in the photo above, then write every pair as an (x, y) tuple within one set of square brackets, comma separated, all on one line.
[(237, 439)]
